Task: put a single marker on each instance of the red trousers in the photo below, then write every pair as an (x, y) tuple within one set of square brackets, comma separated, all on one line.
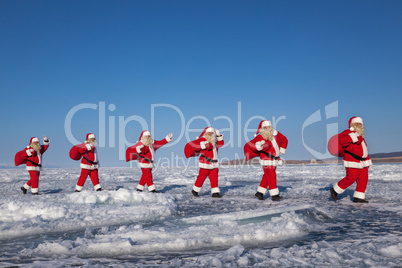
[(360, 176), (146, 177), (204, 173), (93, 174), (34, 181), (269, 178)]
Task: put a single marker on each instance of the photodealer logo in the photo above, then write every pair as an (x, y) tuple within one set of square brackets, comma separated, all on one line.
[(331, 111)]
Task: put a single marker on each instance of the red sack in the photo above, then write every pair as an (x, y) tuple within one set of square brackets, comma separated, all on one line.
[(248, 152), (190, 150), (74, 153), (20, 158), (334, 147), (131, 153)]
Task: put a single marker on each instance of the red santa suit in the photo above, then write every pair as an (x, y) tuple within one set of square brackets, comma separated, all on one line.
[(269, 153), (89, 164), (33, 161), (356, 161), (208, 161), (145, 156)]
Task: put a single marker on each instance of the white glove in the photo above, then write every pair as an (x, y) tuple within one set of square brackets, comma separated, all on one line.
[(217, 133), (89, 146), (259, 144), (203, 144), (45, 139), (169, 137), (139, 148)]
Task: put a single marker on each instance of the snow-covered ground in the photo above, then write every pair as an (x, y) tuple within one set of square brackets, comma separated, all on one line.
[(122, 227)]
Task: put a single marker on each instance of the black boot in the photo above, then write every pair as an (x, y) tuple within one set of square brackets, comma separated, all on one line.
[(194, 193), (77, 191), (259, 195), (359, 200), (276, 197), (138, 190), (216, 195), (334, 194), (24, 190), (35, 193), (98, 190), (154, 191)]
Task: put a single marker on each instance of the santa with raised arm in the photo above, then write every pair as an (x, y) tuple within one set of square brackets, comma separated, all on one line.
[(144, 151), (32, 157), (89, 163), (207, 148), (269, 144), (356, 160)]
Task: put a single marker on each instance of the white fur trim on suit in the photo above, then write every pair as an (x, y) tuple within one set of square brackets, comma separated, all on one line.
[(151, 187), (30, 168), (274, 192), (26, 186), (90, 167), (271, 162), (220, 138), (282, 150), (208, 166), (196, 189), (359, 195), (34, 190), (140, 187), (78, 188), (338, 189), (98, 186), (354, 136), (215, 190), (358, 165), (261, 190), (46, 142)]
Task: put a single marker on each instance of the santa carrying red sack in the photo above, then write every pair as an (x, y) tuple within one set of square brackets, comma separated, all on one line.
[(207, 148), (32, 157), (269, 144), (144, 151)]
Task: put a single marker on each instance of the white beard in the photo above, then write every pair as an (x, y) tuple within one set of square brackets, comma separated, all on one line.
[(93, 143), (36, 147), (267, 134), (359, 130), (210, 137), (147, 141)]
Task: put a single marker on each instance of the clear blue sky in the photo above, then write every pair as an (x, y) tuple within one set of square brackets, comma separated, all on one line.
[(206, 59)]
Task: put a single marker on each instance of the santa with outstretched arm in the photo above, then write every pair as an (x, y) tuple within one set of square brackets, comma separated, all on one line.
[(144, 151), (269, 144), (356, 160), (32, 157), (207, 148)]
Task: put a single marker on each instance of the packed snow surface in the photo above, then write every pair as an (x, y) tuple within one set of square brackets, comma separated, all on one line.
[(122, 227)]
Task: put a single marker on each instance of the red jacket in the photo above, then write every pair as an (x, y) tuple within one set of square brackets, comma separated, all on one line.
[(89, 156), (271, 150), (208, 153), (34, 157), (356, 151), (144, 153)]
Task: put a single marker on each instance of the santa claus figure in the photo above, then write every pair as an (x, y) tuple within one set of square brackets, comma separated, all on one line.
[(144, 151), (207, 148), (89, 163), (355, 159), (269, 144), (32, 157)]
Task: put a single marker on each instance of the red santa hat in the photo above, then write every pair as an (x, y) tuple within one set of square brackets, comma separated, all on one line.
[(354, 119), (144, 133), (33, 139), (207, 129), (90, 136), (263, 123)]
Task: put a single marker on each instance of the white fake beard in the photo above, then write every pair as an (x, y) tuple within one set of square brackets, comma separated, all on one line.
[(359, 130), (210, 137), (267, 134), (36, 147), (93, 143), (147, 140)]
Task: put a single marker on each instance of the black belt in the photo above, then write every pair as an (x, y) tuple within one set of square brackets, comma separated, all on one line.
[(91, 162), (356, 156), (209, 159), (36, 164), (146, 159), (270, 155)]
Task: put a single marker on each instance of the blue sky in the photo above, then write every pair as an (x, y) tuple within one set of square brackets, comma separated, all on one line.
[(206, 59)]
